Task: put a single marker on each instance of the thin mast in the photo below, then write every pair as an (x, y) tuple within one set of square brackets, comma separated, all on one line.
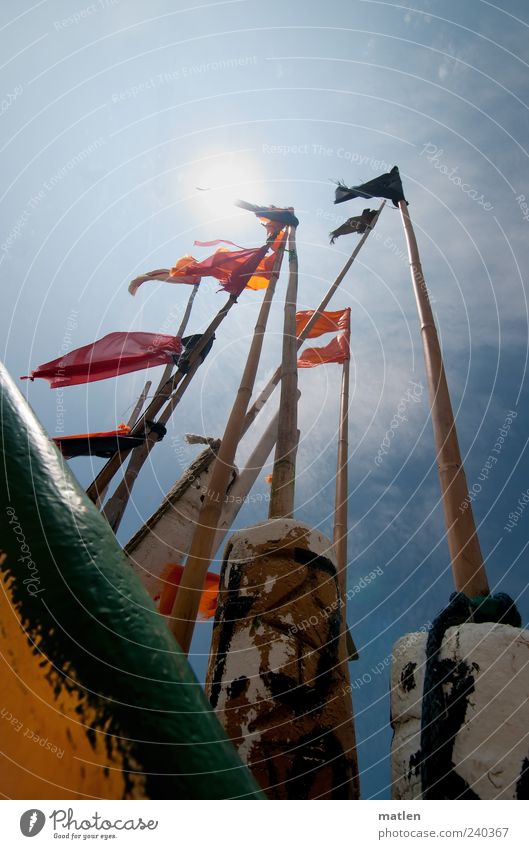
[(340, 506), (109, 470), (284, 474), (465, 552), (185, 319), (265, 394), (185, 608), (116, 505), (341, 522), (131, 422)]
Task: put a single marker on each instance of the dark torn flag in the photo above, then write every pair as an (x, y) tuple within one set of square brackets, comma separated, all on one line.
[(189, 342), (386, 186), (277, 214), (98, 444), (358, 224)]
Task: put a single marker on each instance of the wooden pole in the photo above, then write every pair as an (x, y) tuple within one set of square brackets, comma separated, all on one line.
[(467, 561), (168, 370), (340, 530), (109, 470), (185, 608), (284, 473), (340, 505), (185, 319), (276, 377), (131, 422), (116, 505)]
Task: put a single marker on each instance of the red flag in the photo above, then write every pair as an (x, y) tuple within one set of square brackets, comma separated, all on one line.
[(233, 269), (337, 351), (172, 575), (117, 353), (214, 242), (327, 322)]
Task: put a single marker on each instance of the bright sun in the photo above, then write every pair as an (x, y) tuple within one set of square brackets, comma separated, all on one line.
[(220, 180)]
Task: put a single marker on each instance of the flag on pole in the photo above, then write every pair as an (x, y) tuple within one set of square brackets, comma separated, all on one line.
[(114, 354), (172, 575), (358, 224), (271, 216), (330, 321), (386, 186), (188, 343), (103, 444), (233, 269), (261, 278), (263, 272), (163, 274), (337, 351)]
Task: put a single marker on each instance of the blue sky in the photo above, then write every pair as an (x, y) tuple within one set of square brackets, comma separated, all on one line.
[(113, 113)]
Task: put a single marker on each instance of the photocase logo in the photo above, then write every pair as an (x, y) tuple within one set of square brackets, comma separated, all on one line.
[(32, 822)]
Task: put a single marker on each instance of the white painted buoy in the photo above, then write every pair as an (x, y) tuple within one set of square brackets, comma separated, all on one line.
[(488, 666)]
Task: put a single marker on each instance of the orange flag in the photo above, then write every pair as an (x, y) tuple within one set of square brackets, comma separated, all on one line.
[(337, 351), (172, 575), (233, 269), (263, 272), (328, 322)]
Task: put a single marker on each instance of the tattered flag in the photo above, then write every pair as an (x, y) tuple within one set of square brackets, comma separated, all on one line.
[(114, 354), (283, 216), (358, 224), (163, 274), (102, 444), (329, 321), (386, 186), (337, 351)]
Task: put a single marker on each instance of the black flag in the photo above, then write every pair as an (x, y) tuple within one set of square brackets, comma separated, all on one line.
[(285, 217), (358, 224), (386, 186)]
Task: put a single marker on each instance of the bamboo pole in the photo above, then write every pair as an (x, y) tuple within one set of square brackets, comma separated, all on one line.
[(241, 487), (265, 393), (340, 530), (185, 318), (109, 470), (168, 370), (465, 552), (116, 505), (340, 505), (131, 422), (185, 608), (284, 473)]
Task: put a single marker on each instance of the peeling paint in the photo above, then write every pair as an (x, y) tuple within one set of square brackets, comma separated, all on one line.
[(286, 712)]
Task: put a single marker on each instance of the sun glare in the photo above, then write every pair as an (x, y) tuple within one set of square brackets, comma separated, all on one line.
[(219, 182)]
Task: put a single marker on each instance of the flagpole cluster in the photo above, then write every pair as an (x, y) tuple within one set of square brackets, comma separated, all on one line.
[(164, 395), (184, 612), (265, 393), (115, 507)]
